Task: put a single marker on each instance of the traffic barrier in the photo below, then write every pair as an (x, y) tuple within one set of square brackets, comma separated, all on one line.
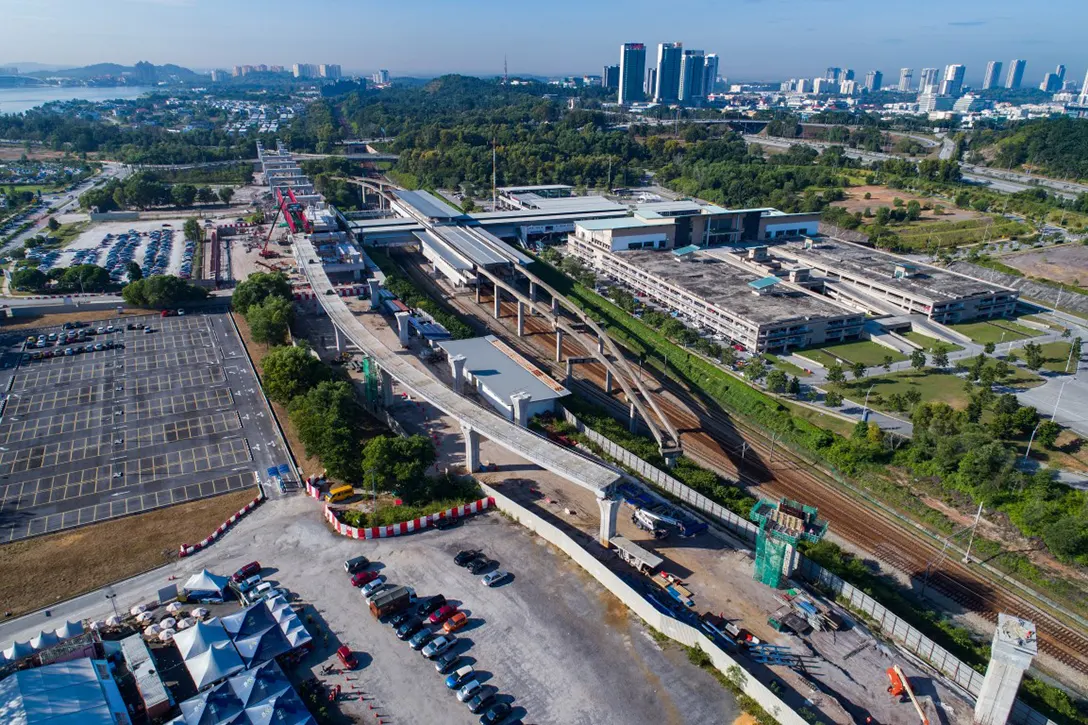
[(405, 527), (189, 550), (312, 489)]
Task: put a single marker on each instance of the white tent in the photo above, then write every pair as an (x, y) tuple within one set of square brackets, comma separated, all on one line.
[(218, 661), (18, 650), (205, 581), (186, 622), (200, 612), (152, 630), (166, 635), (69, 629), (167, 622), (43, 640), (143, 617), (173, 607), (113, 620), (138, 609)]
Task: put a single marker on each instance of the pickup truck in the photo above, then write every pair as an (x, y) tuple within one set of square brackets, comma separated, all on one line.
[(392, 601)]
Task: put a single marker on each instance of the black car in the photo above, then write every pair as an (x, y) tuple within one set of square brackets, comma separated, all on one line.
[(464, 557), (399, 619), (495, 714), (478, 565), (481, 701), (446, 523), (356, 564), (409, 628), (430, 606), (446, 662)]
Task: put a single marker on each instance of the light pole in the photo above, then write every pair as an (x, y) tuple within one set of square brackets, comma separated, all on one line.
[(1054, 415), (865, 408), (112, 596), (971, 538), (1031, 439)]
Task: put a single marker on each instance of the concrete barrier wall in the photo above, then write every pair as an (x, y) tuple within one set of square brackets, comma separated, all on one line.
[(888, 623), (683, 633)]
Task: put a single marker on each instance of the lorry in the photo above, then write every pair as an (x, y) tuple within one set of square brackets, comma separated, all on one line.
[(391, 601)]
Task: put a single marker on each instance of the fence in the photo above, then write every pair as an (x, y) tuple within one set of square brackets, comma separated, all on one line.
[(683, 633), (891, 625)]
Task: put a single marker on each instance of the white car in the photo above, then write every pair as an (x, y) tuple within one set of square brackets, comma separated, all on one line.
[(494, 578), (373, 586), (469, 691), (438, 645)]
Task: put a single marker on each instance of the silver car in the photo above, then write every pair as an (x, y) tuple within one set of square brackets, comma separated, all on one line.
[(438, 645)]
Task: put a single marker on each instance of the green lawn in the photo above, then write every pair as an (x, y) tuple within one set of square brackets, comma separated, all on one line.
[(823, 420), (1043, 321), (862, 351), (785, 366), (68, 232), (995, 331), (36, 188), (1057, 355), (939, 387), (928, 342)]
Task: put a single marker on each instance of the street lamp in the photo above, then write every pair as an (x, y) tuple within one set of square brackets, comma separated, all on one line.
[(112, 596), (1054, 415), (1031, 439), (865, 408)]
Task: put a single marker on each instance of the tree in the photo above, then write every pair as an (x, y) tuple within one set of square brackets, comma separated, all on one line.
[(832, 399), (940, 356), (729, 356), (1048, 433), (468, 205), (918, 360), (257, 287), (205, 195), (835, 374), (883, 215), (226, 194), (192, 230), (327, 419), (989, 348), (30, 279), (858, 370), (777, 381), (756, 369), (914, 210), (85, 278), (161, 291), (897, 402), (183, 195), (913, 397), (887, 364), (289, 371), (134, 271), (1033, 355), (1067, 537), (399, 465), (53, 224), (795, 386), (1066, 333), (270, 320)]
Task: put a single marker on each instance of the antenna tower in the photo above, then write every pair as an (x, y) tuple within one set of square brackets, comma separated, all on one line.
[(505, 72)]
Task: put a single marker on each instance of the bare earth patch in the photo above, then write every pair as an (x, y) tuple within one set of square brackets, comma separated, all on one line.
[(883, 196), (1067, 263), (41, 571)]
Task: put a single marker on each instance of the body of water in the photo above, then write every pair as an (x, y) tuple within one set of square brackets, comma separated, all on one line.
[(17, 100)]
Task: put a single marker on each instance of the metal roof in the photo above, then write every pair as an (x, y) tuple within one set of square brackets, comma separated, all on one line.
[(443, 250), (685, 251), (480, 246), (764, 283), (428, 205), (628, 222), (502, 370)]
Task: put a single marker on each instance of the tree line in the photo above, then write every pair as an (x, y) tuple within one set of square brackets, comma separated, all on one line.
[(145, 190)]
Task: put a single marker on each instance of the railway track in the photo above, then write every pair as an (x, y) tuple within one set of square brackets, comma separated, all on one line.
[(736, 450)]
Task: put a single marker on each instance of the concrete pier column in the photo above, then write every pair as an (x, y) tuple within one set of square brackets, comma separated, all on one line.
[(610, 507), (375, 294), (477, 288), (472, 448), (521, 402), (1015, 645), (632, 420), (336, 333), (558, 345), (555, 306), (600, 346), (402, 327), (570, 372), (457, 370), (387, 389), (497, 300), (608, 381), (521, 318), (532, 291)]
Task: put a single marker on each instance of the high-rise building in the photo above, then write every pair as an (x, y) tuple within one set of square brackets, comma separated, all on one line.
[(710, 73), (669, 57), (1082, 100), (610, 78), (906, 79), (381, 77), (692, 77), (992, 79), (275, 69), (218, 76), (833, 74), (632, 72), (847, 75), (1016, 74), (952, 85), (874, 80), (930, 80), (651, 82), (849, 88), (1050, 83), (1060, 72), (304, 70), (824, 85), (329, 70)]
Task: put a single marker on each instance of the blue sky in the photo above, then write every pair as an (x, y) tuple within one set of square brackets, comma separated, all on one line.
[(755, 38)]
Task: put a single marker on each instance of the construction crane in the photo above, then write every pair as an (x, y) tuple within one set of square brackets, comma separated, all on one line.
[(647, 522), (686, 528), (900, 686)]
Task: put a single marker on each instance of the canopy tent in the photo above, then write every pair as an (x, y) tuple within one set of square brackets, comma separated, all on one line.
[(207, 652), (205, 583), (258, 696)]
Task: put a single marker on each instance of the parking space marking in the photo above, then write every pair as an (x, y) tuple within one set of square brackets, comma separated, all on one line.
[(22, 430), (172, 358), (168, 341), (182, 403), (186, 379), (65, 398), (182, 430), (55, 454), (50, 490), (42, 377), (191, 460)]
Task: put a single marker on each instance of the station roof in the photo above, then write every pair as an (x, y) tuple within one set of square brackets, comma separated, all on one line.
[(530, 188), (480, 246), (627, 222), (502, 370), (668, 209), (443, 250), (568, 204), (428, 205)]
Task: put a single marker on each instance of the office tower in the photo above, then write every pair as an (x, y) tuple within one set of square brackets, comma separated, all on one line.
[(952, 85), (692, 75), (669, 57), (1049, 84), (1060, 72), (329, 70), (381, 77), (824, 85), (1016, 74), (848, 88), (874, 80), (632, 72), (651, 82), (992, 79), (833, 74), (906, 79), (1083, 100), (304, 70), (847, 75), (237, 72), (262, 68), (610, 78), (931, 77), (710, 73)]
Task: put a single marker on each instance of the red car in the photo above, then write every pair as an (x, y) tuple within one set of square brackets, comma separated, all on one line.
[(345, 655), (443, 614), (246, 572), (363, 577)]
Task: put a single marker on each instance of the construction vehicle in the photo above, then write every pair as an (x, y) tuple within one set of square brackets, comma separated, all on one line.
[(900, 686), (647, 522), (685, 526)]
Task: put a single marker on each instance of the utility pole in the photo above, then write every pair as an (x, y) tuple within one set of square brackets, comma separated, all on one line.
[(971, 538), (494, 175)]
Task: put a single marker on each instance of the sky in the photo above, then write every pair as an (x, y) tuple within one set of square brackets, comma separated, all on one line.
[(755, 39)]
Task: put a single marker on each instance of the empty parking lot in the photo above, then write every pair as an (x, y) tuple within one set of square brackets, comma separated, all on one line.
[(161, 418)]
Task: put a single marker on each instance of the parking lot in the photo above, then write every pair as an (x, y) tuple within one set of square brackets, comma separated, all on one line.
[(159, 247), (140, 421)]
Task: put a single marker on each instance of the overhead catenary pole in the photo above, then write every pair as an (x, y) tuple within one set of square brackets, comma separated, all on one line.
[(971, 538)]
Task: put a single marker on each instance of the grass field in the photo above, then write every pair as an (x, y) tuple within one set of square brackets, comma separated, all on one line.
[(1057, 356), (36, 188), (1039, 319), (44, 570), (785, 366), (828, 422), (928, 343), (937, 387), (863, 351), (995, 331)]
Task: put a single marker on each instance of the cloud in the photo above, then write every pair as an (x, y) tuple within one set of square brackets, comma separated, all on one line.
[(967, 23)]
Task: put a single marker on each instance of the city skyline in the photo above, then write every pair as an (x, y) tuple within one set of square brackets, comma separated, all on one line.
[(474, 39)]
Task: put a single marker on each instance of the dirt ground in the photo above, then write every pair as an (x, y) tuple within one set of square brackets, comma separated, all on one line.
[(47, 569), (14, 153), (1067, 263), (883, 196)]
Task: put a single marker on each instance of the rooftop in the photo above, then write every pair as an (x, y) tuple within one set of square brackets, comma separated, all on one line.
[(258, 696), (665, 209), (78, 692), (502, 370), (627, 222), (530, 188), (571, 204), (723, 284), (428, 205), (929, 282), (480, 246)]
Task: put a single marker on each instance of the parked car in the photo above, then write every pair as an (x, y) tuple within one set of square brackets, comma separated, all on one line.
[(246, 572), (363, 577), (408, 629), (442, 614), (495, 578), (431, 605), (373, 585), (399, 619), (464, 557), (246, 584), (481, 700), (356, 564), (446, 662), (446, 523), (347, 658), (420, 639), (438, 645), (476, 566), (495, 714), (455, 622), (469, 690), (459, 676)]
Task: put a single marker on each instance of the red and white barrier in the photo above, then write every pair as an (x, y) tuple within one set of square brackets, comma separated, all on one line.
[(405, 527), (301, 295), (187, 550), (312, 487)]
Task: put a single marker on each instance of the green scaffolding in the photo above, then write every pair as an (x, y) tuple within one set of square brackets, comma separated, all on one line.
[(371, 383), (781, 526), (770, 556)]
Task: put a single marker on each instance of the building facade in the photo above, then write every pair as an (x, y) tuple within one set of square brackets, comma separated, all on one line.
[(874, 80), (632, 72), (692, 77), (1016, 74), (952, 85), (610, 77), (992, 79), (906, 79), (669, 58), (930, 81)]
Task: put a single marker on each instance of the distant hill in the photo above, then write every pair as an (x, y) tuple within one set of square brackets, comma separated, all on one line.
[(98, 70)]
